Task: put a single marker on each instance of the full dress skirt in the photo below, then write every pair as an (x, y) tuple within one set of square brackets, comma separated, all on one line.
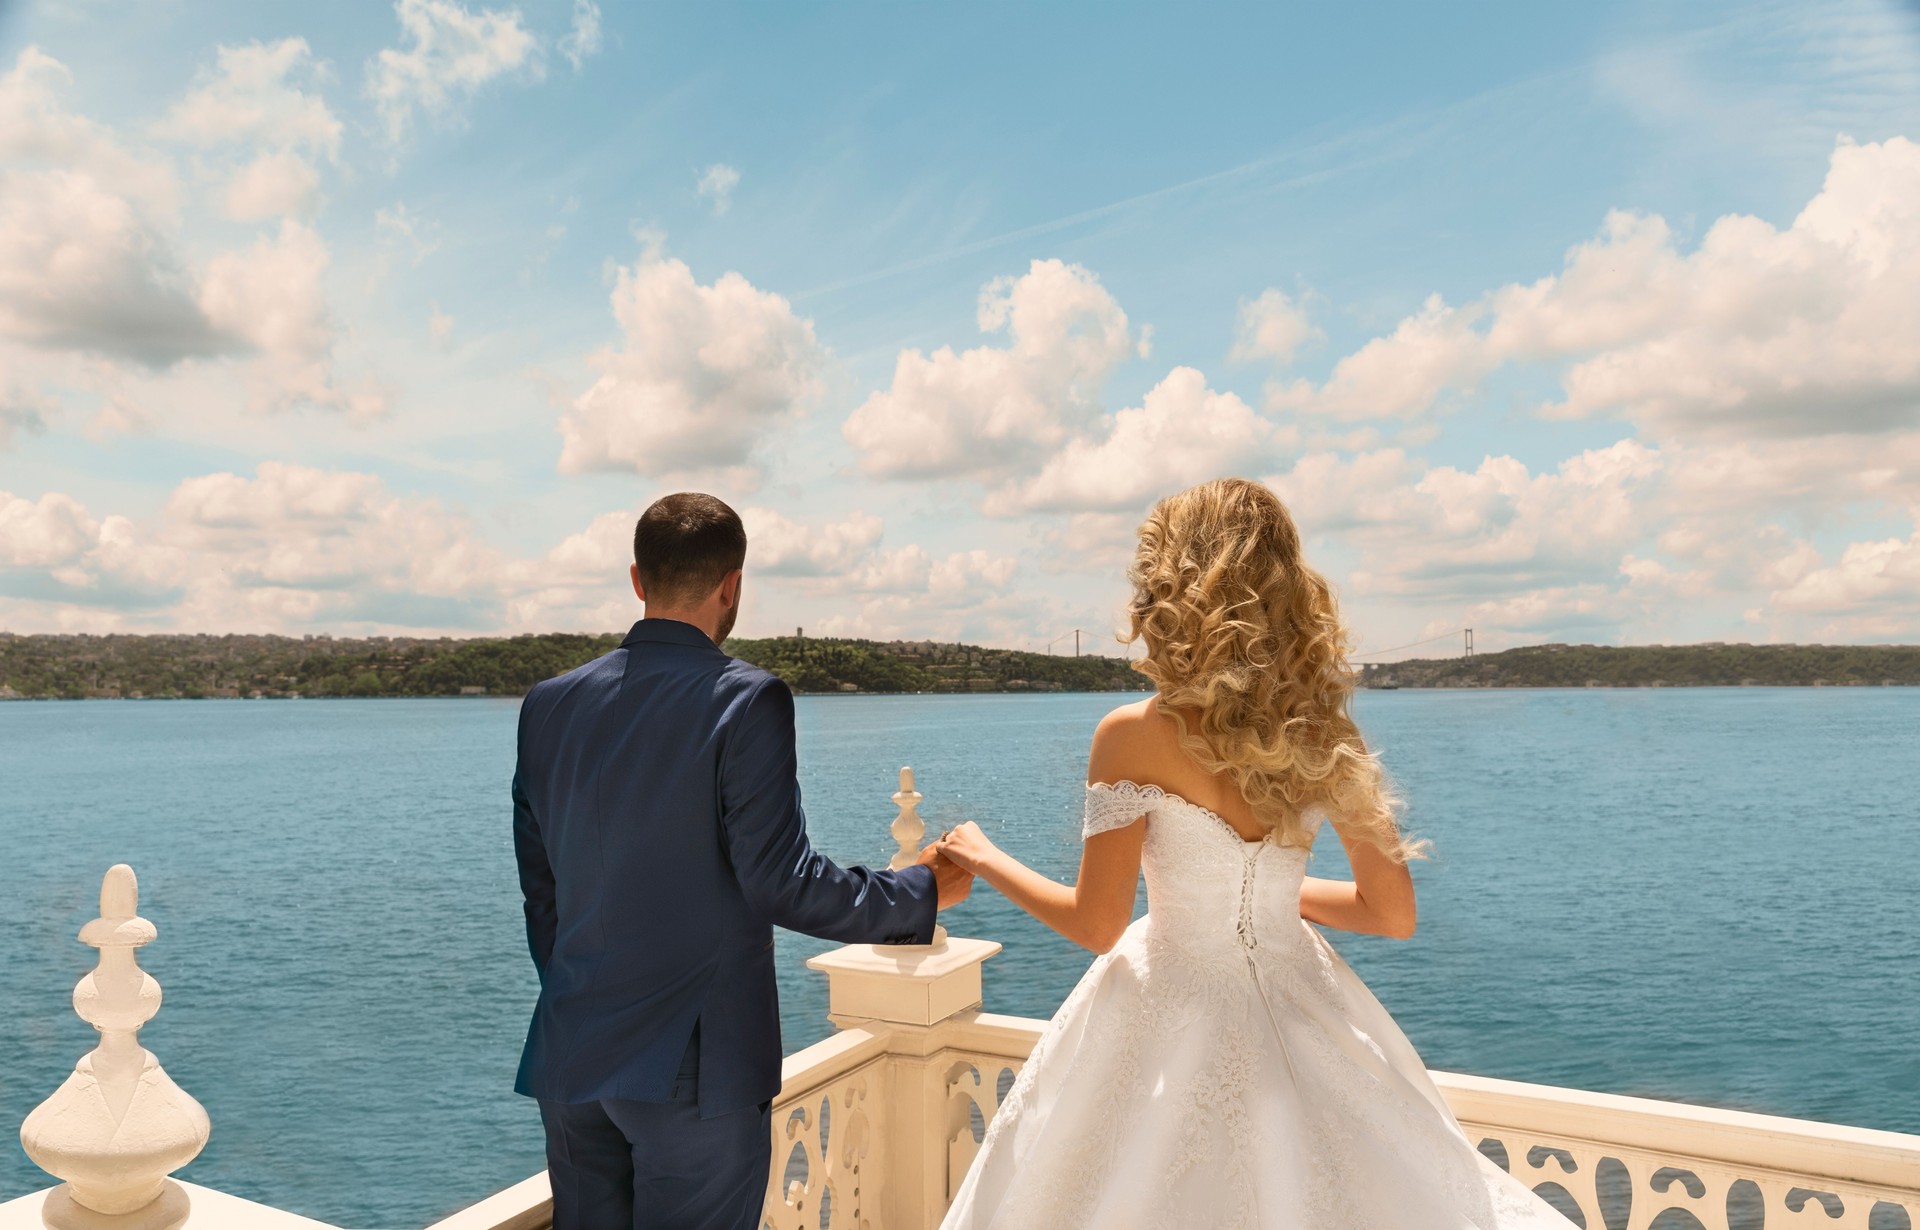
[(1222, 1067)]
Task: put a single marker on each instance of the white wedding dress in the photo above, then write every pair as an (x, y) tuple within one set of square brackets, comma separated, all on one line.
[(1223, 1068)]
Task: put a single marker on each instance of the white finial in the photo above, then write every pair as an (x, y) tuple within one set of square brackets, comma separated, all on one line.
[(908, 827), (119, 1125)]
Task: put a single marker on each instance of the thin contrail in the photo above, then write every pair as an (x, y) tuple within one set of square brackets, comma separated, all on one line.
[(1377, 135)]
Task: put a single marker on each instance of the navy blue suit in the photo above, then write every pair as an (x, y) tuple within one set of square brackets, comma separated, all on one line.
[(660, 838)]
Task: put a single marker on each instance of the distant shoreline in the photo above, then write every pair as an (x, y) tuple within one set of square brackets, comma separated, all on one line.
[(1711, 664), (836, 695), (198, 667), (841, 695)]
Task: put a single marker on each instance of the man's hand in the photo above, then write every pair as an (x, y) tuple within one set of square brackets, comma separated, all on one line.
[(954, 881)]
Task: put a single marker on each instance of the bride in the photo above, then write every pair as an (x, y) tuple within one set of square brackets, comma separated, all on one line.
[(1219, 1065)]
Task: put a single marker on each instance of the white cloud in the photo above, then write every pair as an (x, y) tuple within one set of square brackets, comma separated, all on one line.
[(582, 582), (272, 296), (992, 410), (1442, 535), (908, 593), (82, 269), (1274, 327), (272, 186), (45, 533), (450, 52), (37, 131), (1625, 538), (89, 257), (439, 327), (1869, 582), (582, 40), (85, 261), (780, 547), (964, 573), (716, 186), (290, 547), (832, 574), (1181, 433), (1400, 375), (249, 98), (704, 372), (1797, 332)]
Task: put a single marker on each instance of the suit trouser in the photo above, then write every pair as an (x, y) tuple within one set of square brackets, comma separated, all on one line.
[(621, 1165)]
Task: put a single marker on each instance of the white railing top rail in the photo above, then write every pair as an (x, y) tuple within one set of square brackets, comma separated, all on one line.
[(1736, 1139)]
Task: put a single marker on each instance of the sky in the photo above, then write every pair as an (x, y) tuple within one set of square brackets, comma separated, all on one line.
[(1563, 323)]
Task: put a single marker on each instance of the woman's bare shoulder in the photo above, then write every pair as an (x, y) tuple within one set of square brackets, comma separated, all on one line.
[(1127, 717), (1137, 741)]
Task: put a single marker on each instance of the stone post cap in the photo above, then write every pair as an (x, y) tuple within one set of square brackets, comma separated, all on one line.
[(908, 985)]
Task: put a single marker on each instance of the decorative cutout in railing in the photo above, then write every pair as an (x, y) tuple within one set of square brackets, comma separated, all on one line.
[(1609, 1187), (976, 1084), (822, 1140)]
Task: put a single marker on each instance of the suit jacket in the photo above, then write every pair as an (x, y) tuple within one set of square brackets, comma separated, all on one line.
[(658, 828)]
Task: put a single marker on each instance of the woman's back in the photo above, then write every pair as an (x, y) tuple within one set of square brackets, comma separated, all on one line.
[(1147, 740)]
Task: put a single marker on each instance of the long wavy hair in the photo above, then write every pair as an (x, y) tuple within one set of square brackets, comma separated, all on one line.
[(1245, 646)]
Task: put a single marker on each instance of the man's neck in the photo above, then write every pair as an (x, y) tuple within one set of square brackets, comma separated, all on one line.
[(706, 623)]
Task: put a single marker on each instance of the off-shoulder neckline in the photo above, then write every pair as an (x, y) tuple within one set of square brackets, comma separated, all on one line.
[(1151, 791)]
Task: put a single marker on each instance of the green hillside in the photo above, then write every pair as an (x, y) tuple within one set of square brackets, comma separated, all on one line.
[(194, 666), (1714, 664)]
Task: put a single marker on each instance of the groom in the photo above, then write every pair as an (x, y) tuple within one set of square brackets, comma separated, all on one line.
[(657, 824)]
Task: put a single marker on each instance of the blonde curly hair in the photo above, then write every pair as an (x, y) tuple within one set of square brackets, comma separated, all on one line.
[(1245, 646)]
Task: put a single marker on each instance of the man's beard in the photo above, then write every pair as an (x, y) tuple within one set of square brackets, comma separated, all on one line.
[(725, 629)]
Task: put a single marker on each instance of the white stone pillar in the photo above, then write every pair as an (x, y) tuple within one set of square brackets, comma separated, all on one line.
[(119, 1125), (909, 993)]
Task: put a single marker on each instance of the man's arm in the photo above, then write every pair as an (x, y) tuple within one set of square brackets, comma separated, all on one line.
[(536, 878), (778, 869)]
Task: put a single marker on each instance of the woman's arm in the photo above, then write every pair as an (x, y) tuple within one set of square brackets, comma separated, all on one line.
[(1378, 901), (1096, 909), (1093, 912)]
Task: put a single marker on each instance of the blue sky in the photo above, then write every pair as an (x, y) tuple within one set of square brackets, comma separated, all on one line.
[(1594, 323)]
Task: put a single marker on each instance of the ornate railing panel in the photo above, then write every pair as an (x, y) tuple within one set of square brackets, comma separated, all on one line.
[(1619, 1163), (975, 1086), (828, 1154), (1627, 1189), (985, 1052)]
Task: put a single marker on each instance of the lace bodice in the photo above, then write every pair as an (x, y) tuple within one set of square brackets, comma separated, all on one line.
[(1207, 887)]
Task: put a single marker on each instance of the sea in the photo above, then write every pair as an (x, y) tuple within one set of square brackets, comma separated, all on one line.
[(1705, 895)]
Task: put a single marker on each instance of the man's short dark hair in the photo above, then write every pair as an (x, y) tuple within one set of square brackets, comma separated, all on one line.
[(684, 545)]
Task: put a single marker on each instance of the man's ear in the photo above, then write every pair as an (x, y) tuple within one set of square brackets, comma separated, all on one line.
[(639, 590), (730, 588)]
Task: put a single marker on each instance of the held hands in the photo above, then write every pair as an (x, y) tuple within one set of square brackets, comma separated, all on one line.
[(952, 880), (967, 846)]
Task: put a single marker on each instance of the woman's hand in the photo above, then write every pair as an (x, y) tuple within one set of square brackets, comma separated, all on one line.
[(968, 847)]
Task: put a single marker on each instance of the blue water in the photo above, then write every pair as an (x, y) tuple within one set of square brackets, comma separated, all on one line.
[(1702, 894)]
